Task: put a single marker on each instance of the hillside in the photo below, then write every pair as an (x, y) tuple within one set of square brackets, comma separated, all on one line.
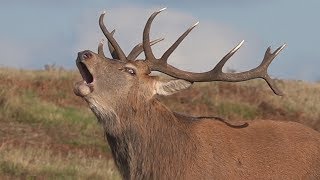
[(48, 132)]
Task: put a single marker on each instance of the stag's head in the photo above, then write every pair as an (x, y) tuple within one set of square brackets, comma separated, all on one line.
[(110, 83)]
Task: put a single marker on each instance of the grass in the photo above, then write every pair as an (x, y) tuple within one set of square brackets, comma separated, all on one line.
[(39, 126), (46, 132), (27, 108), (31, 162), (251, 100), (244, 111)]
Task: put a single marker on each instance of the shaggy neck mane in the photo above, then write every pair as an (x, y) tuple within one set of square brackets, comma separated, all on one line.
[(148, 136)]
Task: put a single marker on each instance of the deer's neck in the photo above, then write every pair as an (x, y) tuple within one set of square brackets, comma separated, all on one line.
[(148, 137)]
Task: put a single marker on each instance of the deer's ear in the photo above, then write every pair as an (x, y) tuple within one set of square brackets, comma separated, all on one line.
[(170, 87)]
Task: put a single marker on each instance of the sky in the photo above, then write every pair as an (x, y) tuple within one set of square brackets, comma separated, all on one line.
[(34, 33)]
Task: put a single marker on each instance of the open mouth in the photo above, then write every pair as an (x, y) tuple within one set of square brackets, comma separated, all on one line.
[(85, 73)]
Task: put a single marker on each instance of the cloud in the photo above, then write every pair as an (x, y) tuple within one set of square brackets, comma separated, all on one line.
[(46, 32), (201, 3), (200, 51)]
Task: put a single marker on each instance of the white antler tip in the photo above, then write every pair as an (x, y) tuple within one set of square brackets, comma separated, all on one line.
[(280, 49), (195, 24), (237, 47), (283, 46), (104, 12), (162, 9)]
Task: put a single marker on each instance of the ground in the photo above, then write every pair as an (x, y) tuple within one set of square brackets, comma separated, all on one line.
[(46, 132)]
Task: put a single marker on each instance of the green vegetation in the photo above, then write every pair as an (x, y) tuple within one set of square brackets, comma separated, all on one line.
[(251, 100), (46, 132), (31, 162), (43, 134)]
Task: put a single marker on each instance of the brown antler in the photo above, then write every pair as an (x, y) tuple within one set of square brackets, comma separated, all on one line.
[(216, 73), (135, 52), (114, 48), (138, 49), (110, 38)]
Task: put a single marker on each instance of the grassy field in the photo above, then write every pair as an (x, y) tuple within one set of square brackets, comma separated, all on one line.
[(46, 132)]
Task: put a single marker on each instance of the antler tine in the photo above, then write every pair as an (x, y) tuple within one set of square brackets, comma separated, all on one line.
[(195, 77), (138, 49), (146, 37), (111, 48), (268, 57), (110, 38), (223, 61), (267, 61), (135, 52), (100, 48), (166, 55), (216, 73), (273, 86)]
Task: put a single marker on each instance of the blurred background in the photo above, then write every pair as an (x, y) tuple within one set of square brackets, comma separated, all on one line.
[(35, 33)]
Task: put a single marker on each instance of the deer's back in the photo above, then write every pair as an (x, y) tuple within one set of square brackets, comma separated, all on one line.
[(262, 149)]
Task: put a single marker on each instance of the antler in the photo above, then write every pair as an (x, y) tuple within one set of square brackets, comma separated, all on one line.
[(114, 48), (110, 38), (135, 52), (216, 73), (138, 49)]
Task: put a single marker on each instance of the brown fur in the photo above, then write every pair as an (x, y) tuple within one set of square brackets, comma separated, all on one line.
[(155, 143), (149, 141)]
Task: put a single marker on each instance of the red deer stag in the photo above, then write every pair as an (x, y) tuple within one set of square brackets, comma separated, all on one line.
[(149, 141)]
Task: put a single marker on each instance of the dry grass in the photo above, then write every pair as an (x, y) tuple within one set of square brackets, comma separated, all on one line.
[(43, 163), (251, 100), (46, 132)]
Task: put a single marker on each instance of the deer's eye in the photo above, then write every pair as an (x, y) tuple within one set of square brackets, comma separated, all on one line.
[(130, 71)]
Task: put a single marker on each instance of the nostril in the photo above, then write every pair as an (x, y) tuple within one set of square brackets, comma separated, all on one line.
[(86, 55)]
